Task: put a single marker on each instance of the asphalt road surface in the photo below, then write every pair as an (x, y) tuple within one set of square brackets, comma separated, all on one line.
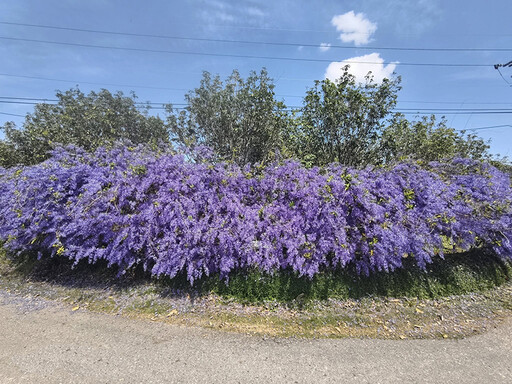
[(43, 342)]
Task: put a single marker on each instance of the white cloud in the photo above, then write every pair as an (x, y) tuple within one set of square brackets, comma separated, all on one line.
[(354, 27), (360, 66), (324, 47)]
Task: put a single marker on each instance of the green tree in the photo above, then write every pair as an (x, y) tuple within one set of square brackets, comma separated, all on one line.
[(428, 140), (341, 121), (240, 120), (88, 121)]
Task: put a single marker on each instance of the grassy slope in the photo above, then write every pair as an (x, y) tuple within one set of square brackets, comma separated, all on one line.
[(383, 305), (456, 274)]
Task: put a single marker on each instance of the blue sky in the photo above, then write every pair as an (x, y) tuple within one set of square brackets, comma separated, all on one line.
[(315, 30)]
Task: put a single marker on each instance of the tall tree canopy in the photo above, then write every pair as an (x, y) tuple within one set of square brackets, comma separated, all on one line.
[(88, 121), (341, 120), (240, 120), (428, 140)]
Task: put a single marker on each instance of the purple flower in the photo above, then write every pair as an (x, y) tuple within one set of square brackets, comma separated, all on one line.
[(129, 205)]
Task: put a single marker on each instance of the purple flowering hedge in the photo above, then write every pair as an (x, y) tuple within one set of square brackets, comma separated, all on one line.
[(131, 206)]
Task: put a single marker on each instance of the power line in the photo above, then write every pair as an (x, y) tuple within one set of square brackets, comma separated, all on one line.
[(11, 114), (408, 111), (301, 59), (434, 112), (509, 64), (91, 83), (490, 127), (34, 101), (503, 77), (123, 85), (20, 102), (77, 82), (429, 102), (26, 98), (456, 109), (159, 106), (498, 66), (301, 96), (273, 43), (454, 102), (219, 26), (247, 27)]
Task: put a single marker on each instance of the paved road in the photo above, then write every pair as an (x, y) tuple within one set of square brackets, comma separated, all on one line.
[(41, 342)]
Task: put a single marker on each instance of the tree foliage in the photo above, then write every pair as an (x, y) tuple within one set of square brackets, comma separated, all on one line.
[(88, 121), (240, 120), (341, 121), (428, 140)]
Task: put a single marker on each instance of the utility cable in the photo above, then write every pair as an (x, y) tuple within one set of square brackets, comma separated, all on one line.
[(503, 77), (273, 43), (91, 83), (489, 127), (11, 114), (279, 95), (316, 60), (407, 111)]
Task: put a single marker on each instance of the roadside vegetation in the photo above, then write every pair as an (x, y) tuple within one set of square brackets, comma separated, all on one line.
[(242, 121), (238, 197), (246, 306)]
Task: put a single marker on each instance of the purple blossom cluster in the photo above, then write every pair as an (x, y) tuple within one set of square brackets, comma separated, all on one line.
[(131, 206)]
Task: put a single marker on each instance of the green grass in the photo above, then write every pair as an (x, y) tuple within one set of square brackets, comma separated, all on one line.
[(454, 298), (457, 274)]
